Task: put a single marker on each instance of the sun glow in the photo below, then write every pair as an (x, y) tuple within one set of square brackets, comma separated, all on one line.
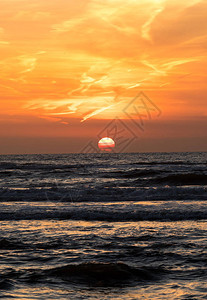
[(106, 144)]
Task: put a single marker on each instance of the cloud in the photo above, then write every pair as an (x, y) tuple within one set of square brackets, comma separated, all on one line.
[(30, 15), (98, 53), (96, 112), (153, 67), (3, 42), (28, 63), (162, 69), (180, 23), (83, 108), (67, 25), (171, 64), (146, 27), (1, 31)]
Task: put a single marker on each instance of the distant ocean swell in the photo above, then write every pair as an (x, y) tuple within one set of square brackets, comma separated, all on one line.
[(82, 178), (104, 193), (124, 177), (110, 212)]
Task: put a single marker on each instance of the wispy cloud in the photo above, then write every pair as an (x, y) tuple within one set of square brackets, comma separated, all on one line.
[(162, 69), (29, 63), (4, 43), (133, 86), (67, 25), (153, 67), (3, 40), (99, 53), (171, 64), (175, 80), (96, 112), (146, 27)]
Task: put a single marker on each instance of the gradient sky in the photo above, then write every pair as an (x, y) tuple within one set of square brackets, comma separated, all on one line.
[(70, 67)]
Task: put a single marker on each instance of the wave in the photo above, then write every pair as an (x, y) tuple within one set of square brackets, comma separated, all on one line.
[(105, 274), (49, 166), (98, 274), (8, 244), (90, 273), (52, 165), (182, 179), (105, 194), (36, 166), (5, 284), (134, 173), (169, 163), (111, 212), (14, 244)]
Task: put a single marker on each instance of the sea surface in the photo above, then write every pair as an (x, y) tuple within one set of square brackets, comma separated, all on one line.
[(103, 226)]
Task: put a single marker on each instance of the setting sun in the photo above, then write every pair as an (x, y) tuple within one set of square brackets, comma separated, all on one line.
[(106, 144)]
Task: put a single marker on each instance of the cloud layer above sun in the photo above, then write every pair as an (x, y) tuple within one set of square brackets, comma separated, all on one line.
[(63, 59)]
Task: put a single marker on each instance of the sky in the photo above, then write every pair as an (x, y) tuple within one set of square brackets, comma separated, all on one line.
[(73, 72)]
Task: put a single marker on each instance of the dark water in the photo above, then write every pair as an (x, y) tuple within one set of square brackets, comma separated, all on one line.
[(103, 226)]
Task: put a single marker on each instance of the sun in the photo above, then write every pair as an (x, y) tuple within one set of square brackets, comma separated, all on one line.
[(106, 144)]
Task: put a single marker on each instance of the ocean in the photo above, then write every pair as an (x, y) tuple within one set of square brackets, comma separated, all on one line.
[(103, 226)]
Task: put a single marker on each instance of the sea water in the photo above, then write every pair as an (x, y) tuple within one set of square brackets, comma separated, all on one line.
[(103, 226)]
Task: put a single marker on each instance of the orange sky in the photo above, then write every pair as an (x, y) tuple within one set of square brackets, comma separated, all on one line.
[(69, 67)]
